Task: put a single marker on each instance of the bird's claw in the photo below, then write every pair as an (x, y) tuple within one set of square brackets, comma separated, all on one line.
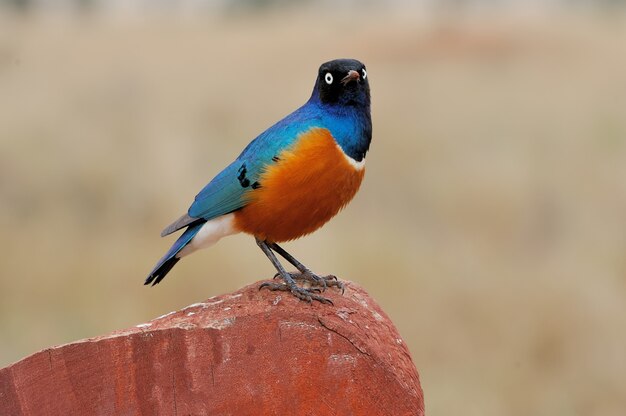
[(314, 280), (308, 295), (323, 281)]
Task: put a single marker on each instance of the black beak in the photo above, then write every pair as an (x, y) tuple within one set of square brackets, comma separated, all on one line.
[(352, 76)]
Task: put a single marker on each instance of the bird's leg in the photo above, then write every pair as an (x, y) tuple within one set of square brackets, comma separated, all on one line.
[(289, 285), (305, 272)]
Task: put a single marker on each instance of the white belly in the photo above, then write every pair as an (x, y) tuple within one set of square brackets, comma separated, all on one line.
[(210, 233)]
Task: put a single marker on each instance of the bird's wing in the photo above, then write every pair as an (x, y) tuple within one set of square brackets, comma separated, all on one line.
[(223, 194), (226, 192)]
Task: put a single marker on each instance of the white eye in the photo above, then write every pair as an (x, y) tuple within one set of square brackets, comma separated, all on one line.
[(328, 78), (364, 73)]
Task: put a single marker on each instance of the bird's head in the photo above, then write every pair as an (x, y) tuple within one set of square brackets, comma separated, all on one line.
[(342, 82)]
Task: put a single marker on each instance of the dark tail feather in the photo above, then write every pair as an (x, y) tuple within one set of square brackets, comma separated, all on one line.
[(163, 269), (168, 261)]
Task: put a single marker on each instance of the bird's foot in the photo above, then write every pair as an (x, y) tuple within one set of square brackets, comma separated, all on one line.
[(314, 280), (308, 295)]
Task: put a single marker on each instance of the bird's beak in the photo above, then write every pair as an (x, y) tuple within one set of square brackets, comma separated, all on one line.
[(352, 76)]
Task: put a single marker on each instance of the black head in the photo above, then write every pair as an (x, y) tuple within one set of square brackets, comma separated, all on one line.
[(343, 82)]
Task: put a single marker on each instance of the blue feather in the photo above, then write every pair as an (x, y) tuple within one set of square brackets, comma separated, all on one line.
[(169, 259)]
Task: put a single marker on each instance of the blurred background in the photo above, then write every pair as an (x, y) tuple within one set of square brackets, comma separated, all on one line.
[(491, 225)]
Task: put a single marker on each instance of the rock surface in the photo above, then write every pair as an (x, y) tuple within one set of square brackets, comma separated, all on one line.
[(250, 352)]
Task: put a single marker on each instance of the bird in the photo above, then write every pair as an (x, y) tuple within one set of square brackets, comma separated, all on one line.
[(287, 182)]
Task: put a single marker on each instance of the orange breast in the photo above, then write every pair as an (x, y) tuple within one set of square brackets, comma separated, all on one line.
[(310, 183)]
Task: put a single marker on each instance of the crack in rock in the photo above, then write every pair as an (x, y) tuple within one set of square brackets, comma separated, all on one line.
[(359, 348)]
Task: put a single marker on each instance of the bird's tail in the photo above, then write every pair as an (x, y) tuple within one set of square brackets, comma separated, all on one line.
[(170, 259)]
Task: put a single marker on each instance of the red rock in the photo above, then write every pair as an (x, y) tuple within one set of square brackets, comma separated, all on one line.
[(247, 353)]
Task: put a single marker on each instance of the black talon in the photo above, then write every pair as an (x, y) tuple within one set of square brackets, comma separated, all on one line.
[(274, 286)]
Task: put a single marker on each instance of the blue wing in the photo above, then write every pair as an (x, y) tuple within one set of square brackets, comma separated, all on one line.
[(225, 193)]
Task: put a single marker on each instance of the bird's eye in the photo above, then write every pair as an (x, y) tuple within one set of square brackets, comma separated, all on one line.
[(328, 78), (364, 73)]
